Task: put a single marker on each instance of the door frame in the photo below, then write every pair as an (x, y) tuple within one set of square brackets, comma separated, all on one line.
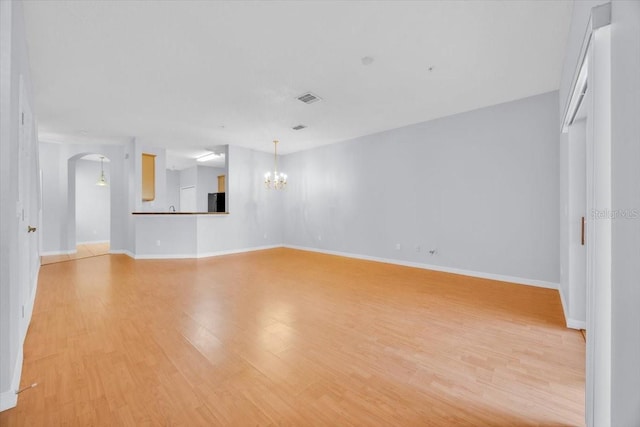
[(596, 48)]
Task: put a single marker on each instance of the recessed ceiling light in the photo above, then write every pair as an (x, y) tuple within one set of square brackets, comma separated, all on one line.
[(366, 60)]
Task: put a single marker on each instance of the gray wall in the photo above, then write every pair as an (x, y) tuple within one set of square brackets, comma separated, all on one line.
[(189, 177), (54, 201), (480, 187), (625, 268), (93, 207), (173, 189)]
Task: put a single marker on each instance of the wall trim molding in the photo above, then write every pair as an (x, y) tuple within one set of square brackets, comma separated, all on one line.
[(49, 253), (571, 323), (199, 255), (470, 273), (122, 251), (238, 251), (576, 324), (162, 256), (92, 242)]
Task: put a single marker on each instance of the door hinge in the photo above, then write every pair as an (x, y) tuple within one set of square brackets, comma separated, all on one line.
[(22, 119)]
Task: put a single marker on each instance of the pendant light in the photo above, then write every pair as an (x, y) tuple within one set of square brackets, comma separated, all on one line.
[(102, 181)]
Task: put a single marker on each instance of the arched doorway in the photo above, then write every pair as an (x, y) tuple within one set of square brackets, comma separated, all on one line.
[(92, 205), (87, 225)]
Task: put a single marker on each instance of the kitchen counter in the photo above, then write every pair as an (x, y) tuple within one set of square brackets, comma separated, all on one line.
[(180, 234), (179, 213)]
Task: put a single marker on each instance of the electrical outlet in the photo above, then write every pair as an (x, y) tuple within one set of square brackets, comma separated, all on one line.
[(319, 237), (157, 242), (433, 252), (398, 246), (418, 248)]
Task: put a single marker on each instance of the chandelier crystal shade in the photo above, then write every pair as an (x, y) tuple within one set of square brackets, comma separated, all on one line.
[(277, 180), (102, 181)]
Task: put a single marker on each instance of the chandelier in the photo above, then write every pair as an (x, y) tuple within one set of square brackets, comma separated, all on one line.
[(279, 180), (102, 181)]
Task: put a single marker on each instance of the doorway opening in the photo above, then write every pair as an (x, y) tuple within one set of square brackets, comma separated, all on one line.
[(90, 203)]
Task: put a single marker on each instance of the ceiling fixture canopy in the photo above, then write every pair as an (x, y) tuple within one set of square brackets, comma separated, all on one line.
[(102, 181), (279, 180)]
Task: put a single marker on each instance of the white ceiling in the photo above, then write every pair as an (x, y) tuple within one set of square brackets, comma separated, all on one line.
[(188, 75)]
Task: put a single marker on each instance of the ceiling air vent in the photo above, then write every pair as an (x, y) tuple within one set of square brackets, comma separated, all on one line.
[(299, 127), (309, 98)]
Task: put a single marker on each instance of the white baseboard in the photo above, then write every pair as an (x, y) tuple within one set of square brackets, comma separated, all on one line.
[(237, 251), (202, 254), (571, 323), (576, 324), (122, 251), (470, 273), (72, 251), (49, 253), (92, 242), (164, 256), (9, 398)]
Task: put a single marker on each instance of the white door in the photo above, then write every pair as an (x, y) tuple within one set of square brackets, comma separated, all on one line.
[(27, 241), (599, 209), (577, 213), (188, 201)]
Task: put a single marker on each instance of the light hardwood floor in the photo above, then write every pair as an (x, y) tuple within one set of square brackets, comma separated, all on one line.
[(285, 337), (82, 251)]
